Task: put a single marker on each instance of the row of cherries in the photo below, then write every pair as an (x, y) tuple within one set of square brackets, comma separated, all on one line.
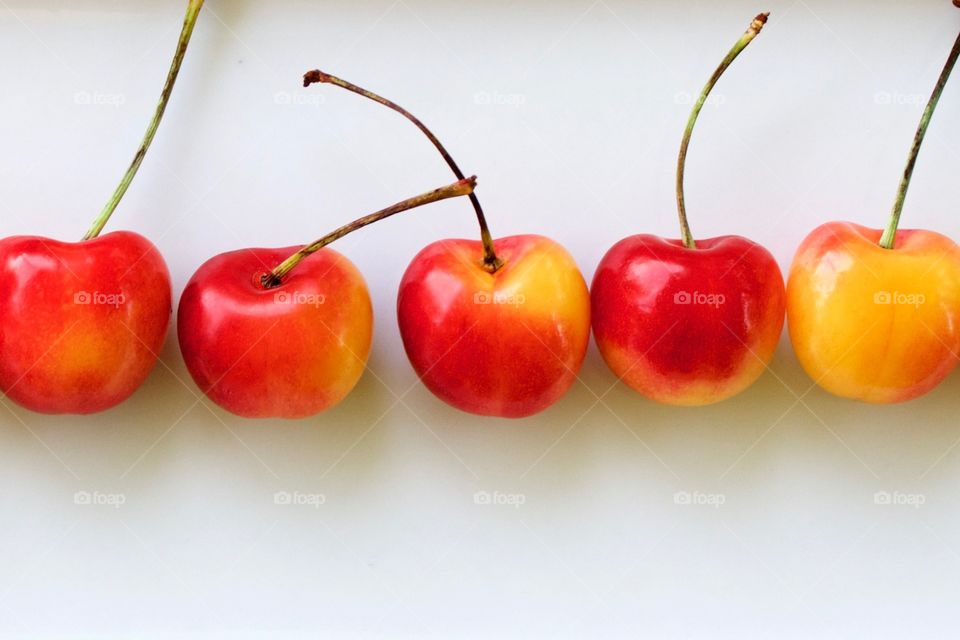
[(492, 327)]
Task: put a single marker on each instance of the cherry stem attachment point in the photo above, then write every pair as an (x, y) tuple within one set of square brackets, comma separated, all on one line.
[(889, 237), (462, 187), (490, 260), (193, 10), (685, 236)]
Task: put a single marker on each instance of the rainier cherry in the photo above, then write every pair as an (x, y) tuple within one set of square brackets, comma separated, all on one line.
[(876, 316), (689, 322), (495, 327), (262, 340), (81, 323)]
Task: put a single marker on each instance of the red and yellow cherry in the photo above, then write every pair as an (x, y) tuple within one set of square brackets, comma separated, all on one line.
[(876, 316), (83, 322), (687, 326), (496, 328), (507, 343), (875, 324), (689, 322), (262, 340)]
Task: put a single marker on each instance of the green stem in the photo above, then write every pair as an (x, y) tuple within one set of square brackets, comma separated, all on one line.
[(490, 260), (888, 239), (193, 10), (462, 187), (741, 44)]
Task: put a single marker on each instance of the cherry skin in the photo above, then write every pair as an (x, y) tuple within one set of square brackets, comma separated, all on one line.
[(83, 322), (874, 324), (288, 351), (687, 326), (506, 344)]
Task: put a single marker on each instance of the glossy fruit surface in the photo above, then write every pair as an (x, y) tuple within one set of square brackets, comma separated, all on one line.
[(81, 323), (289, 351), (506, 344), (687, 326), (874, 324)]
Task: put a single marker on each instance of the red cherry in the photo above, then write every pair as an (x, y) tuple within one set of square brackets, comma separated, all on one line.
[(83, 322), (496, 328), (687, 322), (686, 326), (283, 332), (506, 344), (289, 351)]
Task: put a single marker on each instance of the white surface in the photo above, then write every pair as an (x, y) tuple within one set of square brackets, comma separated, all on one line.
[(587, 101)]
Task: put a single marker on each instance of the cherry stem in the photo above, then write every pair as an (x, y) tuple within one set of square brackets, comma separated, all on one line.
[(741, 44), (888, 239), (462, 187), (490, 260), (193, 10)]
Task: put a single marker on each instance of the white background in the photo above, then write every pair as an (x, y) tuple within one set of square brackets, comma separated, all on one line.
[(571, 114)]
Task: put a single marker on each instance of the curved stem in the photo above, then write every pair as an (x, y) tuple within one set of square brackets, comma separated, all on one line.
[(889, 236), (193, 10), (460, 188), (490, 260), (751, 33)]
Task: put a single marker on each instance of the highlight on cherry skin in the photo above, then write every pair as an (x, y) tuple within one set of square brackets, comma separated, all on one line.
[(688, 322), (84, 322), (492, 327), (283, 332), (875, 315)]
